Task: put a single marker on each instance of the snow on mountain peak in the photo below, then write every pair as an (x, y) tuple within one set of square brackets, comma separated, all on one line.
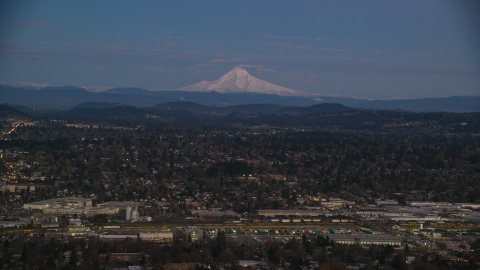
[(238, 80)]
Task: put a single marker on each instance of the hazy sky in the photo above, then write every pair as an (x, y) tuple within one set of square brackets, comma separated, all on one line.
[(368, 49)]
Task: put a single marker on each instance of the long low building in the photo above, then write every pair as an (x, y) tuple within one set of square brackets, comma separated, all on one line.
[(287, 213), (470, 205), (148, 236), (156, 236), (214, 213), (56, 202), (117, 237), (81, 211), (365, 239), (415, 218), (120, 205), (13, 224), (132, 258), (423, 203)]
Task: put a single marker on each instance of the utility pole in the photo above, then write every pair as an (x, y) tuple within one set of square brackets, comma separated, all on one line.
[(297, 220), (204, 251), (163, 227)]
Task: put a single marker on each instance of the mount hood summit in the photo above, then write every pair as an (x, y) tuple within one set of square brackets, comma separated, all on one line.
[(238, 80)]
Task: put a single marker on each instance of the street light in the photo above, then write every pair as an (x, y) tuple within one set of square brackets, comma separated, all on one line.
[(297, 222)]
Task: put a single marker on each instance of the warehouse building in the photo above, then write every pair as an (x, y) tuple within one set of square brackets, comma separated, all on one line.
[(214, 213), (81, 211), (56, 202), (365, 239), (120, 205), (288, 213), (160, 237), (192, 233)]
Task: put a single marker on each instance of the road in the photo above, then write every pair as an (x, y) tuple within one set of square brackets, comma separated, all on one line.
[(14, 126)]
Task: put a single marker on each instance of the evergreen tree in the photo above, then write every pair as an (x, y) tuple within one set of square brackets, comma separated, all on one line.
[(73, 258), (25, 253), (50, 262), (399, 262), (272, 255)]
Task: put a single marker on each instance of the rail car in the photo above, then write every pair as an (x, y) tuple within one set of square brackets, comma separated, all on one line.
[(111, 227), (291, 220)]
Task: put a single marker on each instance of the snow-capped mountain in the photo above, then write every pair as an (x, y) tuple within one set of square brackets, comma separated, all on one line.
[(238, 80)]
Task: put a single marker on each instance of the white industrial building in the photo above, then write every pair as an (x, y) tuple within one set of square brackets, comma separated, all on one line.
[(287, 213), (385, 202), (13, 224), (156, 236), (75, 221), (473, 216), (145, 236), (119, 205), (131, 213), (192, 233), (70, 206), (117, 237), (428, 218), (56, 202), (423, 204), (81, 211), (470, 205), (365, 239)]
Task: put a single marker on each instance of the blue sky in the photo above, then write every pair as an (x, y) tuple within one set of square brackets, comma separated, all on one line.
[(365, 49)]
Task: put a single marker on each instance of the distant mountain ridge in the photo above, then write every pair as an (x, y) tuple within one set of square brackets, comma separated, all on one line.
[(447, 104), (98, 105), (319, 108), (61, 98), (251, 108), (113, 112), (326, 116), (7, 111), (193, 113), (55, 98)]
